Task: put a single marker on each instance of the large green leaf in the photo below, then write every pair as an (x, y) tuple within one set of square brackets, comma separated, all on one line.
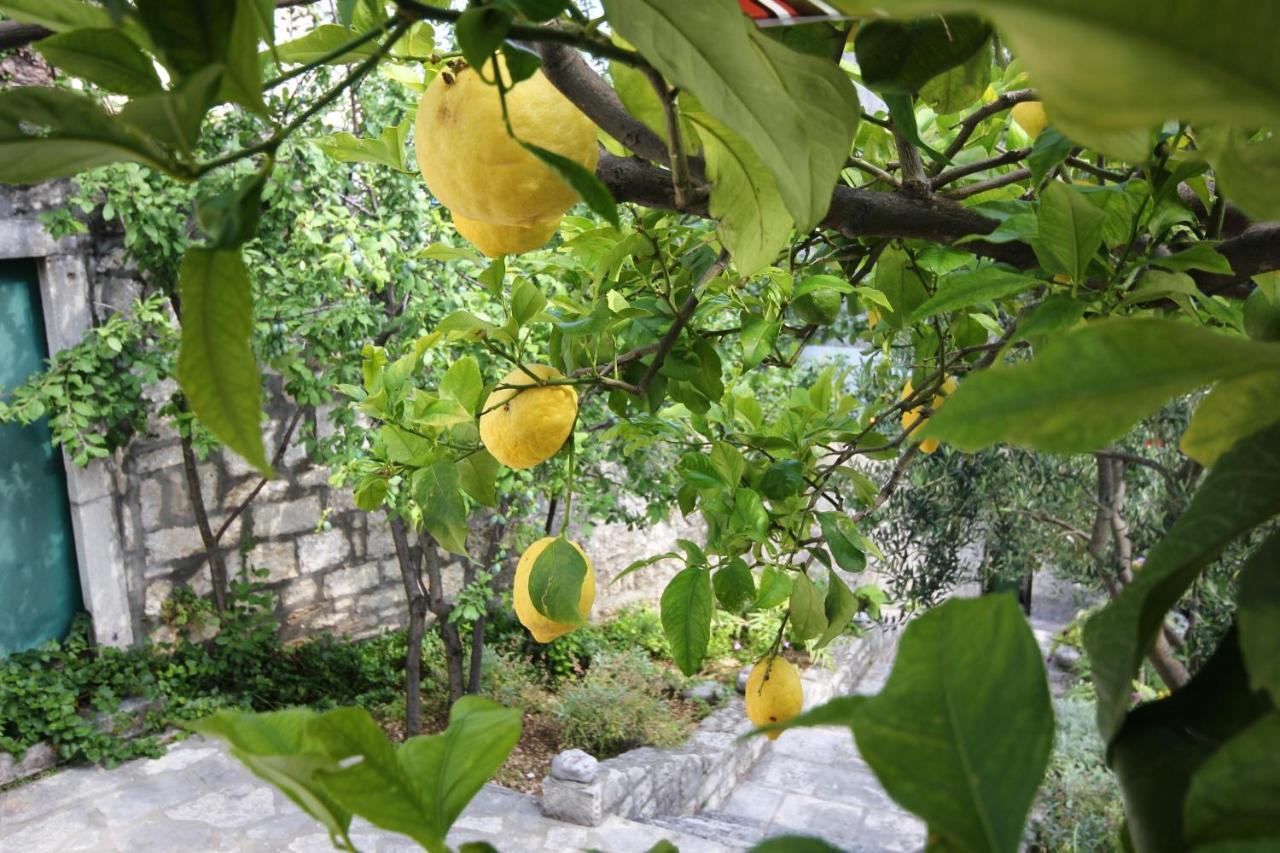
[(957, 88), (962, 731), (842, 541), (840, 606), (478, 477), (1114, 68), (1232, 411), (902, 56), (798, 112), (1258, 613), (216, 368), (56, 15), (191, 35), (1089, 385), (275, 747), (751, 217), (52, 133), (897, 277), (555, 582), (387, 149), (734, 585), (1239, 493), (175, 117), (964, 290), (1247, 172), (444, 512), (1070, 231), (1163, 744), (583, 181), (322, 41), (686, 617), (808, 619), (1235, 795), (106, 57)]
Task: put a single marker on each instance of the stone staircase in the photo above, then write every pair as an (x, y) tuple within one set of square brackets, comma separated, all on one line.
[(730, 830)]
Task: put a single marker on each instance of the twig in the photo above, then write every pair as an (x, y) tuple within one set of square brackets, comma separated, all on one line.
[(989, 184), (873, 170), (970, 124), (1003, 159)]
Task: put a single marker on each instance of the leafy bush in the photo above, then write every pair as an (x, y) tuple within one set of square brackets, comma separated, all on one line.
[(1079, 806), (618, 706), (511, 681), (637, 627)]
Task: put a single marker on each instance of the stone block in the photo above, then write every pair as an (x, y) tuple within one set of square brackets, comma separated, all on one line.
[(278, 558), (385, 599), (173, 543), (574, 802), (161, 457), (297, 592), (277, 519), (377, 541), (318, 551), (158, 593), (574, 765), (351, 580)]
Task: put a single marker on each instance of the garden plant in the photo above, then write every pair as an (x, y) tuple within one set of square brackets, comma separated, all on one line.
[(1039, 223)]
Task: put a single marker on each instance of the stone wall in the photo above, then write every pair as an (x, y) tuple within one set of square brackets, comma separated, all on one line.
[(331, 566)]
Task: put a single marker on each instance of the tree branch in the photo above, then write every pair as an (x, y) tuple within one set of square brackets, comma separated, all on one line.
[(1004, 159), (978, 116)]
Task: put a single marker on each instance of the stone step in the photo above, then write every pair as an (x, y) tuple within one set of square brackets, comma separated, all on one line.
[(715, 825)]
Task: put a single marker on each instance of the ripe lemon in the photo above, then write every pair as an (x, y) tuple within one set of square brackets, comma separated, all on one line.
[(545, 630), (819, 307), (910, 416), (774, 698), (1030, 116), (523, 428), (475, 168), (495, 240)]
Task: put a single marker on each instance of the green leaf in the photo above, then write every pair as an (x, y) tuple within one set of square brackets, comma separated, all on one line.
[(901, 57), (230, 218), (242, 79), (782, 479), (1114, 68), (1239, 493), (808, 619), (1258, 614), (275, 747), (641, 100), (1089, 385), (1247, 172), (322, 41), (1200, 256), (216, 369), (775, 588), (961, 732), (106, 57), (555, 582), (1049, 149), (480, 31), (175, 117), (711, 49), (1234, 794), (757, 339), (843, 547), (686, 617), (583, 182), (478, 476), (386, 150), (1057, 313), (840, 607), (50, 133), (463, 382), (444, 513), (749, 515), (1232, 410), (794, 844), (541, 10), (370, 493), (897, 278), (751, 218), (966, 289), (57, 15), (527, 302), (957, 88), (734, 585), (1070, 231), (192, 35), (1163, 744)]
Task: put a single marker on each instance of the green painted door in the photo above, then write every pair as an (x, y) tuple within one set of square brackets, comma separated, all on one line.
[(39, 585)]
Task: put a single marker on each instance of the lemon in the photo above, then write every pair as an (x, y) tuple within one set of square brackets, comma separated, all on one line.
[(775, 697), (819, 307), (1261, 317), (495, 240), (1030, 116), (910, 416), (524, 427), (873, 317), (545, 630), (476, 169)]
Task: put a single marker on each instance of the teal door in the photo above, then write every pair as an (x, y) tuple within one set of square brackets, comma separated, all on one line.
[(39, 585)]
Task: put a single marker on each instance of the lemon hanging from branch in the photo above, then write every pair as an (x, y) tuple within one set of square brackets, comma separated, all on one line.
[(910, 416), (543, 628), (526, 424), (774, 694)]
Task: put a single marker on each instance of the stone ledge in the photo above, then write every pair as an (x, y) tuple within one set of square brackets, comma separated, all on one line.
[(701, 774), (43, 756)]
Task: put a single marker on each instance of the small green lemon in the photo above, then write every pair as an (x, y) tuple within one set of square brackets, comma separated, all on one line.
[(819, 307)]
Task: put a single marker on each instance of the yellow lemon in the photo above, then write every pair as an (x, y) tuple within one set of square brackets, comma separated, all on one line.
[(1030, 116), (476, 169), (524, 427), (775, 697), (910, 416), (873, 317), (494, 240), (545, 630)]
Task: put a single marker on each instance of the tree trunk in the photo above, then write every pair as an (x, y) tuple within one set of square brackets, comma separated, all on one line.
[(477, 656), (217, 568), (410, 559)]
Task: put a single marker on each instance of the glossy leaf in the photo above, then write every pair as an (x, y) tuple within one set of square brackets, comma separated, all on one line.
[(175, 117), (478, 477), (959, 87), (56, 15), (1235, 793), (965, 290), (686, 608), (480, 31), (590, 188), (463, 382), (840, 606), (216, 369), (711, 49), (1089, 385), (808, 619), (735, 587), (842, 545), (555, 582), (902, 56), (1070, 232), (961, 732), (106, 57), (322, 41), (1232, 410), (444, 513), (387, 149), (1239, 493), (782, 479), (898, 279), (775, 588), (230, 218)]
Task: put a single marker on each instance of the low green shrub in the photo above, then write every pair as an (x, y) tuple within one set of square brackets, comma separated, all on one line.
[(511, 681), (1079, 806), (619, 705)]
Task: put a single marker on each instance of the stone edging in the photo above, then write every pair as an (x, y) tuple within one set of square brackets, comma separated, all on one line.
[(44, 756), (648, 782)]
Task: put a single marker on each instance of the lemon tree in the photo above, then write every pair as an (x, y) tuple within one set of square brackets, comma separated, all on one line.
[(689, 209)]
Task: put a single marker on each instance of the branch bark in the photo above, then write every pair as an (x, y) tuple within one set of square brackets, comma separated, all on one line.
[(217, 566)]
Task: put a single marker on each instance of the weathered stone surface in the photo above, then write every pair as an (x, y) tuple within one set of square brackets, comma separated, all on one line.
[(317, 551), (39, 757), (298, 592), (173, 543), (707, 691), (169, 456), (574, 802), (158, 593), (743, 675), (278, 558), (574, 765), (351, 580), (1066, 657), (277, 519), (235, 806)]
